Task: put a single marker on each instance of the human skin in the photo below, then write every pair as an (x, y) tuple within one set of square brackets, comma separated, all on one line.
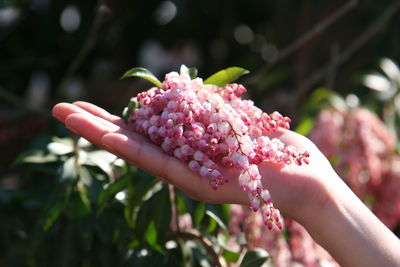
[(313, 194)]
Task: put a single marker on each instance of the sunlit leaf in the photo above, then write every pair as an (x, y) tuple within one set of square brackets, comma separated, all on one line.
[(103, 160), (390, 68), (214, 217), (68, 170), (142, 73), (254, 258), (184, 70), (83, 143), (85, 176), (59, 148), (223, 77), (230, 255), (35, 156), (199, 213), (377, 82), (212, 225)]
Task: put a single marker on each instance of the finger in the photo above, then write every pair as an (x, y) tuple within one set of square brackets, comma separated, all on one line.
[(143, 154), (153, 160), (99, 112), (62, 110), (150, 158), (90, 127)]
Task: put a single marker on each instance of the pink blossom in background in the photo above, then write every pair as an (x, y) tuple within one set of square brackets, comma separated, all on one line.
[(362, 151)]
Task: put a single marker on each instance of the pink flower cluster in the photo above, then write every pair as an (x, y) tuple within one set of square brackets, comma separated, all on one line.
[(295, 247), (363, 152), (207, 127)]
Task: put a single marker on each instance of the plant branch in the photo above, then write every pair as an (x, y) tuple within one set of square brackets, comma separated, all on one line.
[(174, 206), (318, 28), (193, 235), (360, 41)]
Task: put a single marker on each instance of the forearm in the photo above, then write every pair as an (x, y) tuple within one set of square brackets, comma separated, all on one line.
[(351, 233)]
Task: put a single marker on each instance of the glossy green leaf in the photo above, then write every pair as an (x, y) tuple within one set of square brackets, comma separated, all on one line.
[(199, 213), (230, 256), (142, 73), (193, 72), (216, 219), (128, 110), (152, 237), (102, 159), (223, 77), (254, 258)]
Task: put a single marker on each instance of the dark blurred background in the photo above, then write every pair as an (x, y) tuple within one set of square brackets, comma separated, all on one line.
[(54, 51)]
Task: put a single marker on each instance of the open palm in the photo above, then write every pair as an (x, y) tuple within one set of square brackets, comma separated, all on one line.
[(293, 188)]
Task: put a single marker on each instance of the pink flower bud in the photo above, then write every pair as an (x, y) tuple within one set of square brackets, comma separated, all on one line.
[(265, 195), (194, 165), (244, 180), (255, 204), (200, 156), (205, 172)]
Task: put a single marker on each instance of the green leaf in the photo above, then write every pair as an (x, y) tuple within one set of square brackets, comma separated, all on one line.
[(85, 176), (223, 77), (111, 190), (137, 197), (217, 219), (193, 72), (158, 210), (53, 213), (254, 258), (68, 171), (102, 159), (34, 156), (305, 126), (152, 237), (79, 204), (142, 73), (199, 213), (128, 110), (57, 148), (230, 256)]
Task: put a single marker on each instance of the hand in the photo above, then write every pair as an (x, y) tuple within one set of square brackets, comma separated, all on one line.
[(312, 194), (294, 189)]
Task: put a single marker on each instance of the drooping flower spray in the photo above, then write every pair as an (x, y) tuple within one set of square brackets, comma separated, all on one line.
[(209, 126)]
